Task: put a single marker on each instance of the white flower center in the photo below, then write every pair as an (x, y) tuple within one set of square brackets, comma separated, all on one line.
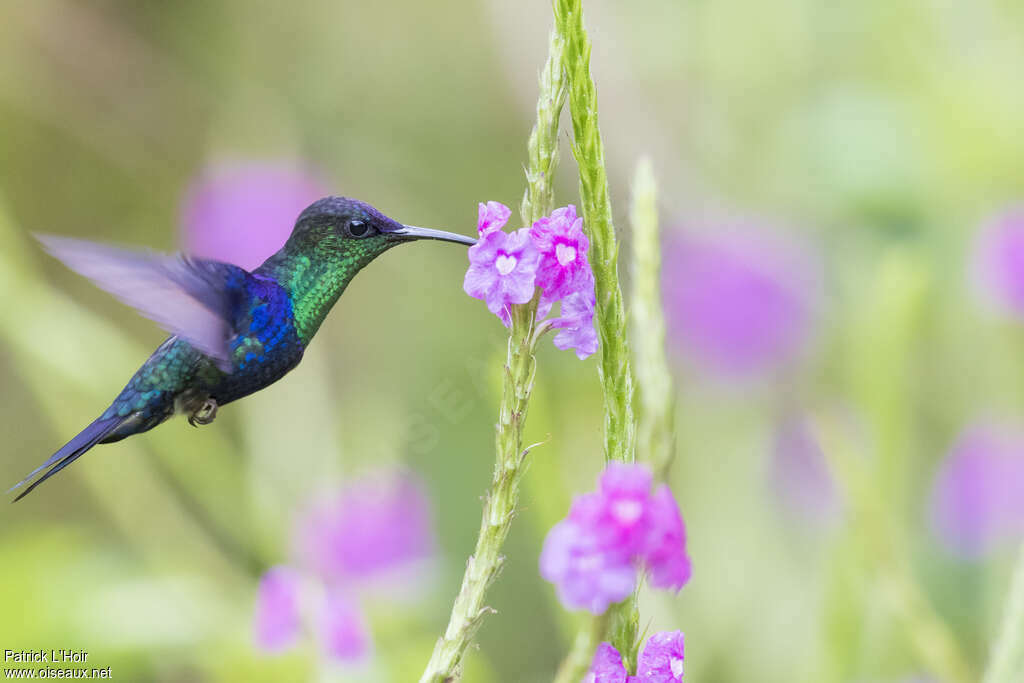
[(627, 511), (677, 667), (565, 254), (505, 264)]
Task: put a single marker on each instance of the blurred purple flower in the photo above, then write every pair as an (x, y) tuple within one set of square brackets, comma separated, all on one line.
[(586, 574), (662, 658), (375, 532), (342, 630), (502, 271), (492, 216), (594, 554), (977, 497), (278, 615), (243, 212), (737, 302), (800, 473), (378, 524), (563, 268), (999, 260), (606, 667)]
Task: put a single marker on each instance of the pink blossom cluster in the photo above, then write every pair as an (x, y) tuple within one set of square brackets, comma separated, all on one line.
[(376, 532), (595, 554), (507, 268), (660, 662)]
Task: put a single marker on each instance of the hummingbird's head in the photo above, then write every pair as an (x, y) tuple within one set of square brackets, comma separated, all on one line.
[(350, 225)]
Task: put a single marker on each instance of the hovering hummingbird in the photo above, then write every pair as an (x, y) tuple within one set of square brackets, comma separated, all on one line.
[(233, 332)]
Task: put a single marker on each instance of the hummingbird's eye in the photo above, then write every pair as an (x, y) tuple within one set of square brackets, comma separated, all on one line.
[(357, 228)]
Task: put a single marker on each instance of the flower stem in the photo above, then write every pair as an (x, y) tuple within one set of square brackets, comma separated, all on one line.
[(613, 370), (517, 384), (1007, 662), (576, 663), (655, 397)]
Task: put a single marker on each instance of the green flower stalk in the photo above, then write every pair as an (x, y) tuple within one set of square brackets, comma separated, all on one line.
[(588, 149), (655, 398), (614, 368), (517, 384)]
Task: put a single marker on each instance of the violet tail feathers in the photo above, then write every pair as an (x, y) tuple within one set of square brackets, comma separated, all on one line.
[(71, 451)]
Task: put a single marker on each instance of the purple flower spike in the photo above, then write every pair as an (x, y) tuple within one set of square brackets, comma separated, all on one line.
[(242, 213), (342, 630), (800, 474), (492, 216), (587, 574), (665, 557), (278, 618), (378, 525), (576, 322), (977, 499), (662, 658), (593, 555), (737, 303), (502, 271), (999, 260), (606, 667), (563, 268)]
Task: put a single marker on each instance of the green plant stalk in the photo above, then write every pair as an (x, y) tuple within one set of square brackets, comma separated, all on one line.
[(614, 367), (588, 149), (588, 637), (1006, 664), (500, 504), (655, 397)]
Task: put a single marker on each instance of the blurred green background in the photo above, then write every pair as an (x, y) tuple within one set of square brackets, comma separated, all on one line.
[(885, 130)]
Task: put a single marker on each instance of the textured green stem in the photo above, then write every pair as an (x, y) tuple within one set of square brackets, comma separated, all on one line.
[(1007, 662), (655, 397), (616, 378), (501, 501), (613, 370)]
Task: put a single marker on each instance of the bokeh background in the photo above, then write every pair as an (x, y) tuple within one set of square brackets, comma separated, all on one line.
[(836, 190)]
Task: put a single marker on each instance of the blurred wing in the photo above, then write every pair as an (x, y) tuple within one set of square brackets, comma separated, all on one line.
[(192, 298)]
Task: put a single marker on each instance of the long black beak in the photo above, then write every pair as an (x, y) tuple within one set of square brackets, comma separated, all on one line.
[(409, 232)]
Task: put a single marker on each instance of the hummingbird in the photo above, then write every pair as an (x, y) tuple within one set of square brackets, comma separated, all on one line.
[(233, 332)]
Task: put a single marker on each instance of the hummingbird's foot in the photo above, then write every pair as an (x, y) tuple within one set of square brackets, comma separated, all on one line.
[(205, 414)]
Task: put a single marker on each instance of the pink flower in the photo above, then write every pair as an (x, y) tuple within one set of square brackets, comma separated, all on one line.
[(343, 632), (606, 667), (587, 574), (576, 322), (662, 658), (563, 268), (667, 566), (376, 533), (593, 555), (977, 500), (660, 662), (502, 271), (242, 212), (377, 525), (999, 260), (492, 216), (507, 268), (278, 618), (738, 302)]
